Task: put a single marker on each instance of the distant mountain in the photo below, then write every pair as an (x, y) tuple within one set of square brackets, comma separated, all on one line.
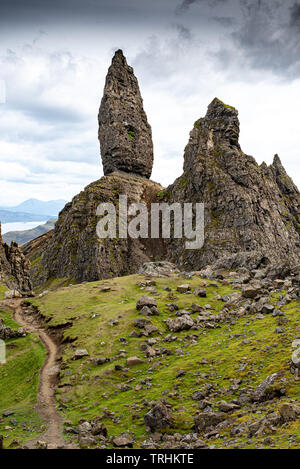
[(7, 216), (49, 209), (22, 237)]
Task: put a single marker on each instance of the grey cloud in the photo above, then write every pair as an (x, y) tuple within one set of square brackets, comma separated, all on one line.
[(183, 32), (185, 5), (28, 98), (47, 113), (269, 35), (225, 21), (295, 16)]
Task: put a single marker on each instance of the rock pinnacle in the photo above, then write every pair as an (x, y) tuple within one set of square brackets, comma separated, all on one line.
[(124, 132)]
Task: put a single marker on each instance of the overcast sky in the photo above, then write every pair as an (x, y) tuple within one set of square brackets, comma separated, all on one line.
[(54, 57)]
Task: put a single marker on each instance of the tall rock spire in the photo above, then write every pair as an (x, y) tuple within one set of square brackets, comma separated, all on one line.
[(124, 133)]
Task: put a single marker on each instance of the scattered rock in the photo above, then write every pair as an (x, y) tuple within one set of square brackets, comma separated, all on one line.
[(7, 332), (289, 412), (98, 428), (180, 324), (141, 323), (85, 440), (200, 292), (205, 420), (145, 301), (123, 440), (251, 291), (132, 361), (266, 389), (10, 294), (159, 269), (159, 417), (228, 406), (267, 309), (183, 288), (80, 353)]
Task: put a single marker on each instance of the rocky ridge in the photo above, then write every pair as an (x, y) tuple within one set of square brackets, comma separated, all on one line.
[(252, 212), (14, 268)]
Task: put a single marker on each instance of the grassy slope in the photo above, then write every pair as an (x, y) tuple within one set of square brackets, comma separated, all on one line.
[(228, 357), (3, 289), (19, 379)]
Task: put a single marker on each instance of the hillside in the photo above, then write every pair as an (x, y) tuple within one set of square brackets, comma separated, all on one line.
[(8, 216), (47, 208), (22, 237), (205, 375)]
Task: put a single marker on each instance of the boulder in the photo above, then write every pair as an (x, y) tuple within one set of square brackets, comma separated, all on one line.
[(267, 309), (85, 440), (10, 294), (80, 353), (132, 361), (289, 412), (183, 288), (7, 332), (123, 440), (200, 292), (158, 269), (267, 389), (251, 290), (205, 420), (141, 323), (181, 323), (98, 428), (159, 417), (228, 406), (145, 301)]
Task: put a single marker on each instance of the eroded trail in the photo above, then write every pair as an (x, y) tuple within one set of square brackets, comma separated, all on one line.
[(46, 401)]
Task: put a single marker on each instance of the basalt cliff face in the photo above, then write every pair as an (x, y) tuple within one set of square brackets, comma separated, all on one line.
[(73, 250), (14, 268), (252, 212)]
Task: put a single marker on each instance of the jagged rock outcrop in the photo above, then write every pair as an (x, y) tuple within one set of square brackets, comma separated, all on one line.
[(14, 268), (124, 133), (73, 250), (250, 210)]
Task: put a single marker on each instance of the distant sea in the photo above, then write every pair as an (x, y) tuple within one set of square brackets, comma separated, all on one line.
[(20, 226)]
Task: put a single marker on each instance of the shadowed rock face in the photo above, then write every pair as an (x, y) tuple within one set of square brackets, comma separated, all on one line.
[(124, 133), (72, 250), (249, 209), (14, 268)]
